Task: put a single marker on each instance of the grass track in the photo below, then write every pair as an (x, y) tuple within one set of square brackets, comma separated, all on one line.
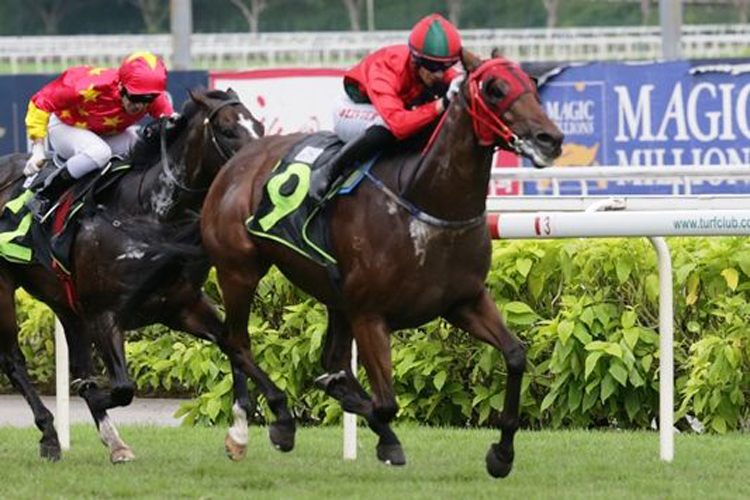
[(442, 463)]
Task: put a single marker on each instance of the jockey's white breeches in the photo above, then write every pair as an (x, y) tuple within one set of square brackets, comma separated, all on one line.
[(350, 120), (85, 150)]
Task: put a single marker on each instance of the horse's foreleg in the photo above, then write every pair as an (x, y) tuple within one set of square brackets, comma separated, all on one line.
[(482, 320), (14, 366), (238, 286), (110, 342), (374, 346)]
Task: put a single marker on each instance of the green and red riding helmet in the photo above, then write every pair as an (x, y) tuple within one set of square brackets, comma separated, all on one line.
[(435, 43)]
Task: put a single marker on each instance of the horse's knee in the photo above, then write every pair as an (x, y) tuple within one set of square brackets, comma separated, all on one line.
[(515, 359), (122, 393)]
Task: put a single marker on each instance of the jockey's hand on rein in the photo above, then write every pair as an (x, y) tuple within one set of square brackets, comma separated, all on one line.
[(36, 160), (453, 89)]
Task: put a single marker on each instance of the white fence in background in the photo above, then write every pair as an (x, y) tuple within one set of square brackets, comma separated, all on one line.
[(341, 49), (648, 216)]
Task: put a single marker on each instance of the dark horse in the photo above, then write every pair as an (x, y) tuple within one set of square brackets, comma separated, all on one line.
[(404, 258), (110, 257)]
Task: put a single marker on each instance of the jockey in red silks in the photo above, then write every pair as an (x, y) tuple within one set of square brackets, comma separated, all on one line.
[(89, 114), (395, 92)]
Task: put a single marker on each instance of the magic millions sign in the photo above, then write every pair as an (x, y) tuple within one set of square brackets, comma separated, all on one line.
[(652, 114)]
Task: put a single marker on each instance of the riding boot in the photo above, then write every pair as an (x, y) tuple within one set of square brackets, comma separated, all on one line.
[(54, 186), (374, 139)]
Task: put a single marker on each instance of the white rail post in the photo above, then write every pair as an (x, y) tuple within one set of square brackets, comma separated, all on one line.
[(350, 419), (62, 387), (666, 351)]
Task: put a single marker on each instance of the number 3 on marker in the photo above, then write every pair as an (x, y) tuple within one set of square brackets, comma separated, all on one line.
[(284, 204)]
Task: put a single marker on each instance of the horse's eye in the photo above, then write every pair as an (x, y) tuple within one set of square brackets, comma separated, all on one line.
[(230, 133), (496, 91)]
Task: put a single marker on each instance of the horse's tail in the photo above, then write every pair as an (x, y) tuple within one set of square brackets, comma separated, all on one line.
[(175, 252)]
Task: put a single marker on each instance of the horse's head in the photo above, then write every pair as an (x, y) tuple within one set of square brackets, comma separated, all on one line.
[(506, 112), (227, 123)]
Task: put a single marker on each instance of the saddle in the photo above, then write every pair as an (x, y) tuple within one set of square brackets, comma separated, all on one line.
[(286, 213), (23, 239)]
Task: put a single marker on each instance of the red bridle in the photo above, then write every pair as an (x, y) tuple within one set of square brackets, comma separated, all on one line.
[(487, 122)]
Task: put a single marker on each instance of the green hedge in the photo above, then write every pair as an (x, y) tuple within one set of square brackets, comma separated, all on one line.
[(587, 309)]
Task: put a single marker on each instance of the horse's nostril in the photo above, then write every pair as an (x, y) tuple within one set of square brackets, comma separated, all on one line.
[(549, 141)]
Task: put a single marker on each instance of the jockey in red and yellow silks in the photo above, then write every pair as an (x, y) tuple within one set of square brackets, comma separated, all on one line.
[(87, 98), (88, 113), (394, 93)]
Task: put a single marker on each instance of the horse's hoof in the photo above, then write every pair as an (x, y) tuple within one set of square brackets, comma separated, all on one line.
[(499, 463), (122, 455), (391, 454), (282, 436), (235, 451), (50, 452)]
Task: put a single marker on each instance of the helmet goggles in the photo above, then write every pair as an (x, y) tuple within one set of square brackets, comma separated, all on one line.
[(432, 65), (139, 98)]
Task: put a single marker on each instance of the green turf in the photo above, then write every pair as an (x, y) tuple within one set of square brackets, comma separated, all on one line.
[(442, 463)]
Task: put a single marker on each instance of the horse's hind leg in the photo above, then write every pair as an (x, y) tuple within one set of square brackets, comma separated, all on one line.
[(109, 340), (238, 282), (201, 319), (14, 366), (340, 383), (482, 320), (374, 346)]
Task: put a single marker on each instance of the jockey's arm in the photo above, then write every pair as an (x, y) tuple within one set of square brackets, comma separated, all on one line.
[(401, 122)]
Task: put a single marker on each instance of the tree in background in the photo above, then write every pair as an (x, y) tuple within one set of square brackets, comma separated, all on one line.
[(454, 11), (52, 13), (743, 6), (251, 12), (154, 13), (353, 9), (551, 6)]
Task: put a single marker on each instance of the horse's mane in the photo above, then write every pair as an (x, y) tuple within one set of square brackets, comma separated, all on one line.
[(147, 148)]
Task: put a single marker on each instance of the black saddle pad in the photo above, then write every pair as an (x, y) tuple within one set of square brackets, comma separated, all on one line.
[(286, 214), (24, 240)]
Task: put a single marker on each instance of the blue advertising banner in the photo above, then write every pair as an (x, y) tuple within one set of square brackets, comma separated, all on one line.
[(651, 114), (16, 90)]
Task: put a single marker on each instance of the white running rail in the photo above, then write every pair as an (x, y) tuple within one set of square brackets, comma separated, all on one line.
[(241, 51)]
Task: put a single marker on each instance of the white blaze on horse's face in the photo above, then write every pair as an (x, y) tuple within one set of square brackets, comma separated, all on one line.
[(249, 125)]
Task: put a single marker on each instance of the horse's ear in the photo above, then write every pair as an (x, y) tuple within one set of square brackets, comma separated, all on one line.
[(470, 60), (198, 96), (232, 93)]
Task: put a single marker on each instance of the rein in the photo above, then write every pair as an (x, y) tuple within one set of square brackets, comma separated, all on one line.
[(424, 216)]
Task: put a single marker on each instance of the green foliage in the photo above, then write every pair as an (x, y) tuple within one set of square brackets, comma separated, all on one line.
[(586, 309)]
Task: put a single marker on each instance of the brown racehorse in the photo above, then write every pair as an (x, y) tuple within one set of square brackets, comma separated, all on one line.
[(110, 261), (412, 245)]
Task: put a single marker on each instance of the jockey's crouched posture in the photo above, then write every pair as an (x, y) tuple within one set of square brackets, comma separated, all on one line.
[(89, 114), (395, 92)]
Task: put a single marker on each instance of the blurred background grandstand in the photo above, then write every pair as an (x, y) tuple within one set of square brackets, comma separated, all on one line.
[(42, 36)]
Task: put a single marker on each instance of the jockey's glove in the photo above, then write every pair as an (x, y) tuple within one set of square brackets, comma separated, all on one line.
[(453, 89), (36, 160), (172, 119)]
